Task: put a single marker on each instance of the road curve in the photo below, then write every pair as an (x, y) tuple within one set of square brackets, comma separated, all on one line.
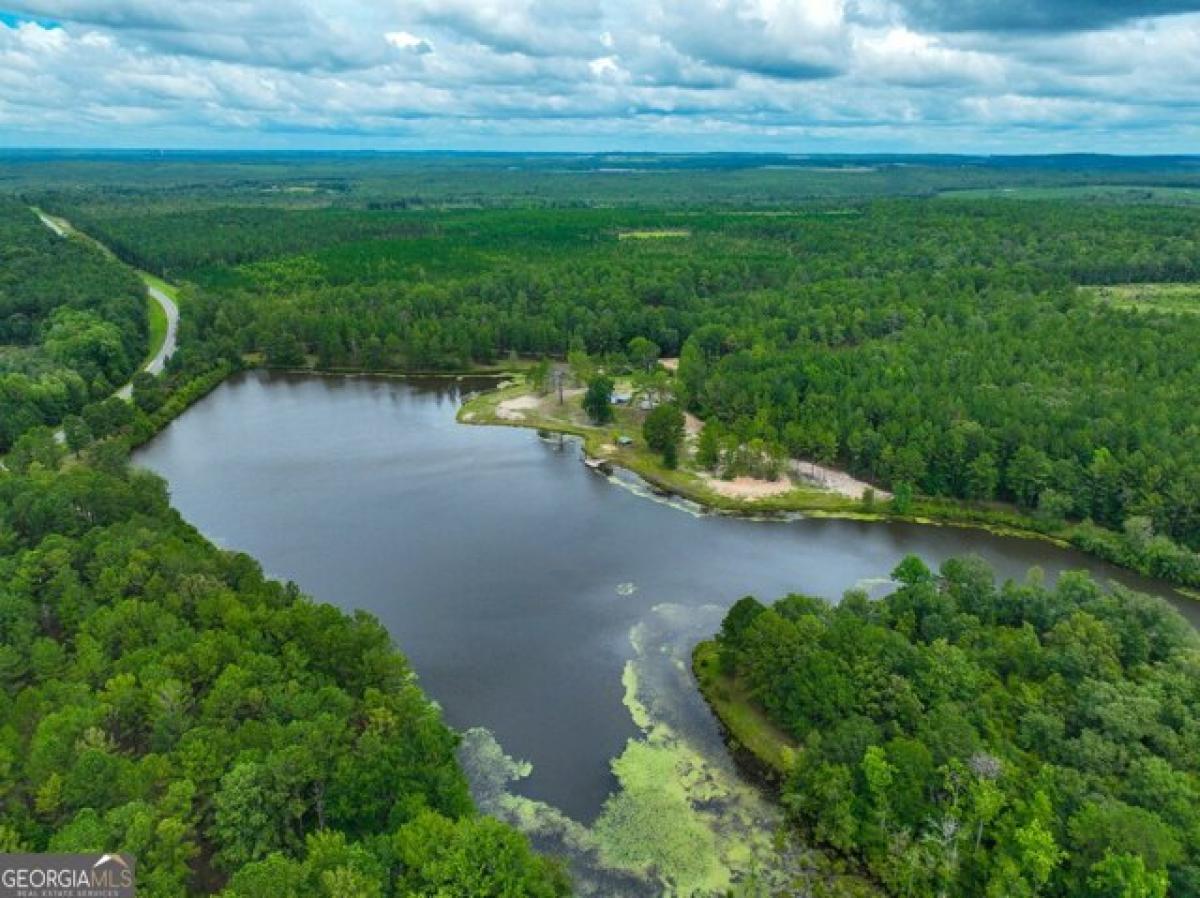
[(156, 364)]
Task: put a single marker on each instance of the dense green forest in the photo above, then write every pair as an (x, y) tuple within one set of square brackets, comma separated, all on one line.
[(73, 324), (961, 739), (949, 347)]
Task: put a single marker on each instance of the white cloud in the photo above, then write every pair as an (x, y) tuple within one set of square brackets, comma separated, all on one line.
[(698, 74), (406, 41)]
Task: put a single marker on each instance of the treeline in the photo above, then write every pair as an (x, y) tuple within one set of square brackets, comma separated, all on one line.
[(161, 697), (964, 739), (73, 324), (690, 181)]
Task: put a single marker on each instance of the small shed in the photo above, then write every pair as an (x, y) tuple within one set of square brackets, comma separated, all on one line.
[(623, 440)]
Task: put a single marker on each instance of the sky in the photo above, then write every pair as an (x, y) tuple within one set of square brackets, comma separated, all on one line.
[(799, 76)]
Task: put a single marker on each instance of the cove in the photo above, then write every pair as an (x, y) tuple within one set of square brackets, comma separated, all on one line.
[(520, 585)]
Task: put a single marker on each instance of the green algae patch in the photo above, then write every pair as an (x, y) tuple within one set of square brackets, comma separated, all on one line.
[(650, 826), (682, 822), (638, 711), (682, 815)]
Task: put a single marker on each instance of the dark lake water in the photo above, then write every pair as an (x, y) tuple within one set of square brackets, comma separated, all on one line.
[(510, 575)]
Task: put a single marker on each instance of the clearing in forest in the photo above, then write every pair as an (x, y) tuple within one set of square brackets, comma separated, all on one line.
[(1179, 298)]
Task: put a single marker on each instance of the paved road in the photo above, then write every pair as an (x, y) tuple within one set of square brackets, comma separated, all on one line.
[(156, 364), (52, 224)]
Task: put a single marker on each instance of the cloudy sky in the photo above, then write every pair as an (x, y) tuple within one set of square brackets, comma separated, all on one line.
[(790, 75)]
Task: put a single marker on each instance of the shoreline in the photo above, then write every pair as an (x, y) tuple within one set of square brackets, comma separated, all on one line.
[(483, 410)]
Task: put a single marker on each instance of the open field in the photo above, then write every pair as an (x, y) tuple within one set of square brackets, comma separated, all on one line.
[(654, 234), (1182, 299)]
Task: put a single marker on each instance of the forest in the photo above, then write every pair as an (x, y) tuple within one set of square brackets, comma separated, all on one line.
[(949, 348), (963, 739)]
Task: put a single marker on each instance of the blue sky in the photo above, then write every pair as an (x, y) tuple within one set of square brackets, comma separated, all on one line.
[(1037, 76)]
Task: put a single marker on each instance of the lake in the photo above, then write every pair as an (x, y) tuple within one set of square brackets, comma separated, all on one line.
[(520, 585)]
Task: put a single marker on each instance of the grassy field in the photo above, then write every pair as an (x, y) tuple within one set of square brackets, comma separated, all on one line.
[(1181, 299), (747, 726), (158, 329)]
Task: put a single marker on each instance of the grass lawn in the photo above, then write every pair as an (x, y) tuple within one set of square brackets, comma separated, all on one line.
[(170, 289)]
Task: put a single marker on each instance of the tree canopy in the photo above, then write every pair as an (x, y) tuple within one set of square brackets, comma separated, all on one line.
[(968, 739)]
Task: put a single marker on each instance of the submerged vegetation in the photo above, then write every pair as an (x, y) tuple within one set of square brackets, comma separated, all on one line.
[(681, 821), (965, 739)]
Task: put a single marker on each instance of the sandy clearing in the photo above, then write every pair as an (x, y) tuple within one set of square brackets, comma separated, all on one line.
[(748, 488), (671, 364), (835, 481), (514, 409), (52, 224)]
